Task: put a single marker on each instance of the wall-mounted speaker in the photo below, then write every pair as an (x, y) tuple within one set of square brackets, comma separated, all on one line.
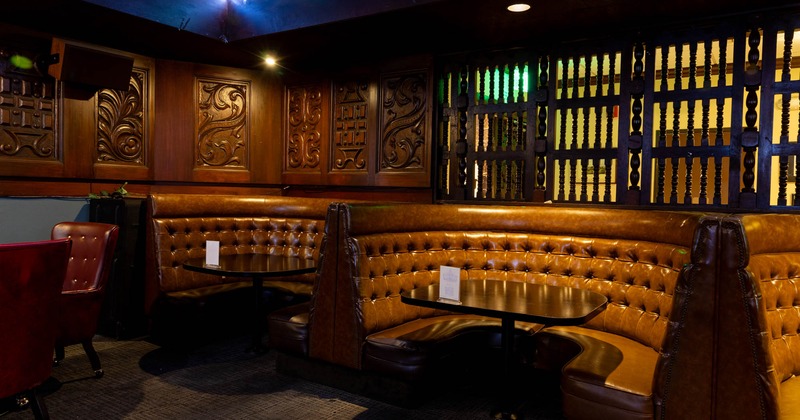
[(84, 65)]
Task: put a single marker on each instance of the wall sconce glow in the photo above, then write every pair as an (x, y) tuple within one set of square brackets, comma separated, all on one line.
[(518, 7), (270, 61)]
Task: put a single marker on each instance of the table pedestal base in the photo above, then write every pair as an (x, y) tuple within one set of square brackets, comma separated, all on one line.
[(510, 403), (256, 346)]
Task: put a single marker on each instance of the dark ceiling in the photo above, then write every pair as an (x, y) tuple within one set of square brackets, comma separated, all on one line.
[(310, 32), (233, 20)]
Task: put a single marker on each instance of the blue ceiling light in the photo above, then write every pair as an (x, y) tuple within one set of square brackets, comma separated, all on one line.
[(243, 19)]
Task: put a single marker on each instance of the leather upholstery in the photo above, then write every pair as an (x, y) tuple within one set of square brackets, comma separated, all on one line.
[(633, 257), (648, 263), (288, 329), (178, 226), (702, 322), (416, 349), (757, 377), (30, 284), (611, 377), (83, 289)]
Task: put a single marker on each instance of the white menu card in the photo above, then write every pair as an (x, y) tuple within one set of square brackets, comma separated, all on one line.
[(212, 253), (449, 284)]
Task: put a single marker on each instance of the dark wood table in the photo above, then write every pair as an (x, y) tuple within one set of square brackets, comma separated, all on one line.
[(257, 267), (514, 301)]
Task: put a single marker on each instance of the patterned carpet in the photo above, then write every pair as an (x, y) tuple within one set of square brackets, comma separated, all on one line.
[(220, 380)]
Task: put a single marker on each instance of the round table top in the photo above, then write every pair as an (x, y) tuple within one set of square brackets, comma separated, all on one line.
[(249, 265), (540, 303)]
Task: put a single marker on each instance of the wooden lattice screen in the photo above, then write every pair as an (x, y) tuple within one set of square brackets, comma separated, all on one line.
[(705, 115)]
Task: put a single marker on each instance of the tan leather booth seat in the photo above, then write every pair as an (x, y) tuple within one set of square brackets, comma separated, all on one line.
[(178, 226), (640, 260), (758, 377)]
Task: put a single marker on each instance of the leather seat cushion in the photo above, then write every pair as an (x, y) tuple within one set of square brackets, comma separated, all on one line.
[(611, 377), (288, 329), (412, 349), (790, 398)]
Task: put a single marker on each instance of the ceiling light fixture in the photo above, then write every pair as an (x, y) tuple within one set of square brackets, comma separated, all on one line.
[(518, 7), (270, 61)]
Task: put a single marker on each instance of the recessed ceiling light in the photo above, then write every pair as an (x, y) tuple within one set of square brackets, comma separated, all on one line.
[(519, 7)]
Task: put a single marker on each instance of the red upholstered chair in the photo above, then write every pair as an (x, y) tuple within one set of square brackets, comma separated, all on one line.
[(84, 285), (30, 283)]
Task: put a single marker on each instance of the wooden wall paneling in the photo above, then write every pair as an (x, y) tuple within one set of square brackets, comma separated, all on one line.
[(173, 143), (30, 140), (404, 145), (266, 142), (306, 133), (209, 188), (222, 149), (79, 126), (125, 126), (377, 194), (24, 187), (353, 131), (222, 129)]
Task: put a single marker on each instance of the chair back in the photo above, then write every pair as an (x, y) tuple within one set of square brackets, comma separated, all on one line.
[(30, 284), (93, 246)]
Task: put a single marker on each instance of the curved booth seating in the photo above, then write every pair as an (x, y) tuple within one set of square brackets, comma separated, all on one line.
[(653, 266), (84, 285), (178, 227), (29, 287), (759, 377)]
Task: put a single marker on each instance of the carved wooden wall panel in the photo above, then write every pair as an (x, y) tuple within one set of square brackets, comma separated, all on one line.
[(403, 123), (27, 115), (378, 135), (305, 127), (350, 148), (222, 131), (121, 118), (404, 145)]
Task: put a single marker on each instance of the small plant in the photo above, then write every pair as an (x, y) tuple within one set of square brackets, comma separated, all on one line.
[(118, 193)]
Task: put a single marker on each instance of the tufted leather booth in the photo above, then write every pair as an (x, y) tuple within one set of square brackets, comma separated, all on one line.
[(613, 366), (758, 377), (178, 226)]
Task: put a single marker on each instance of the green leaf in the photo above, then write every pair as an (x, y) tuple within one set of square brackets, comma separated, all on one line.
[(122, 189)]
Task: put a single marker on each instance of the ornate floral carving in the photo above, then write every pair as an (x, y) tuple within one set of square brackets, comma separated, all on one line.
[(350, 130), (303, 142), (403, 122), (221, 129), (121, 116)]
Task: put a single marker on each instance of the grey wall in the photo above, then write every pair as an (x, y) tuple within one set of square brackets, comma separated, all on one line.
[(30, 219)]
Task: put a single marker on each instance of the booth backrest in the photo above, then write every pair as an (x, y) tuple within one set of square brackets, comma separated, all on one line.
[(632, 257), (762, 283), (178, 226)]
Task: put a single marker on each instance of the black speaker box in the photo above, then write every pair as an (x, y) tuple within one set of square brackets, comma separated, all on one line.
[(88, 66)]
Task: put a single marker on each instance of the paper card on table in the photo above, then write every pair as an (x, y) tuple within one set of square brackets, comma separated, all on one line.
[(212, 253), (449, 283)]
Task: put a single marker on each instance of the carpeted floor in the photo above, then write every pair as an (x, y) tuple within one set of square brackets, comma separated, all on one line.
[(220, 380)]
